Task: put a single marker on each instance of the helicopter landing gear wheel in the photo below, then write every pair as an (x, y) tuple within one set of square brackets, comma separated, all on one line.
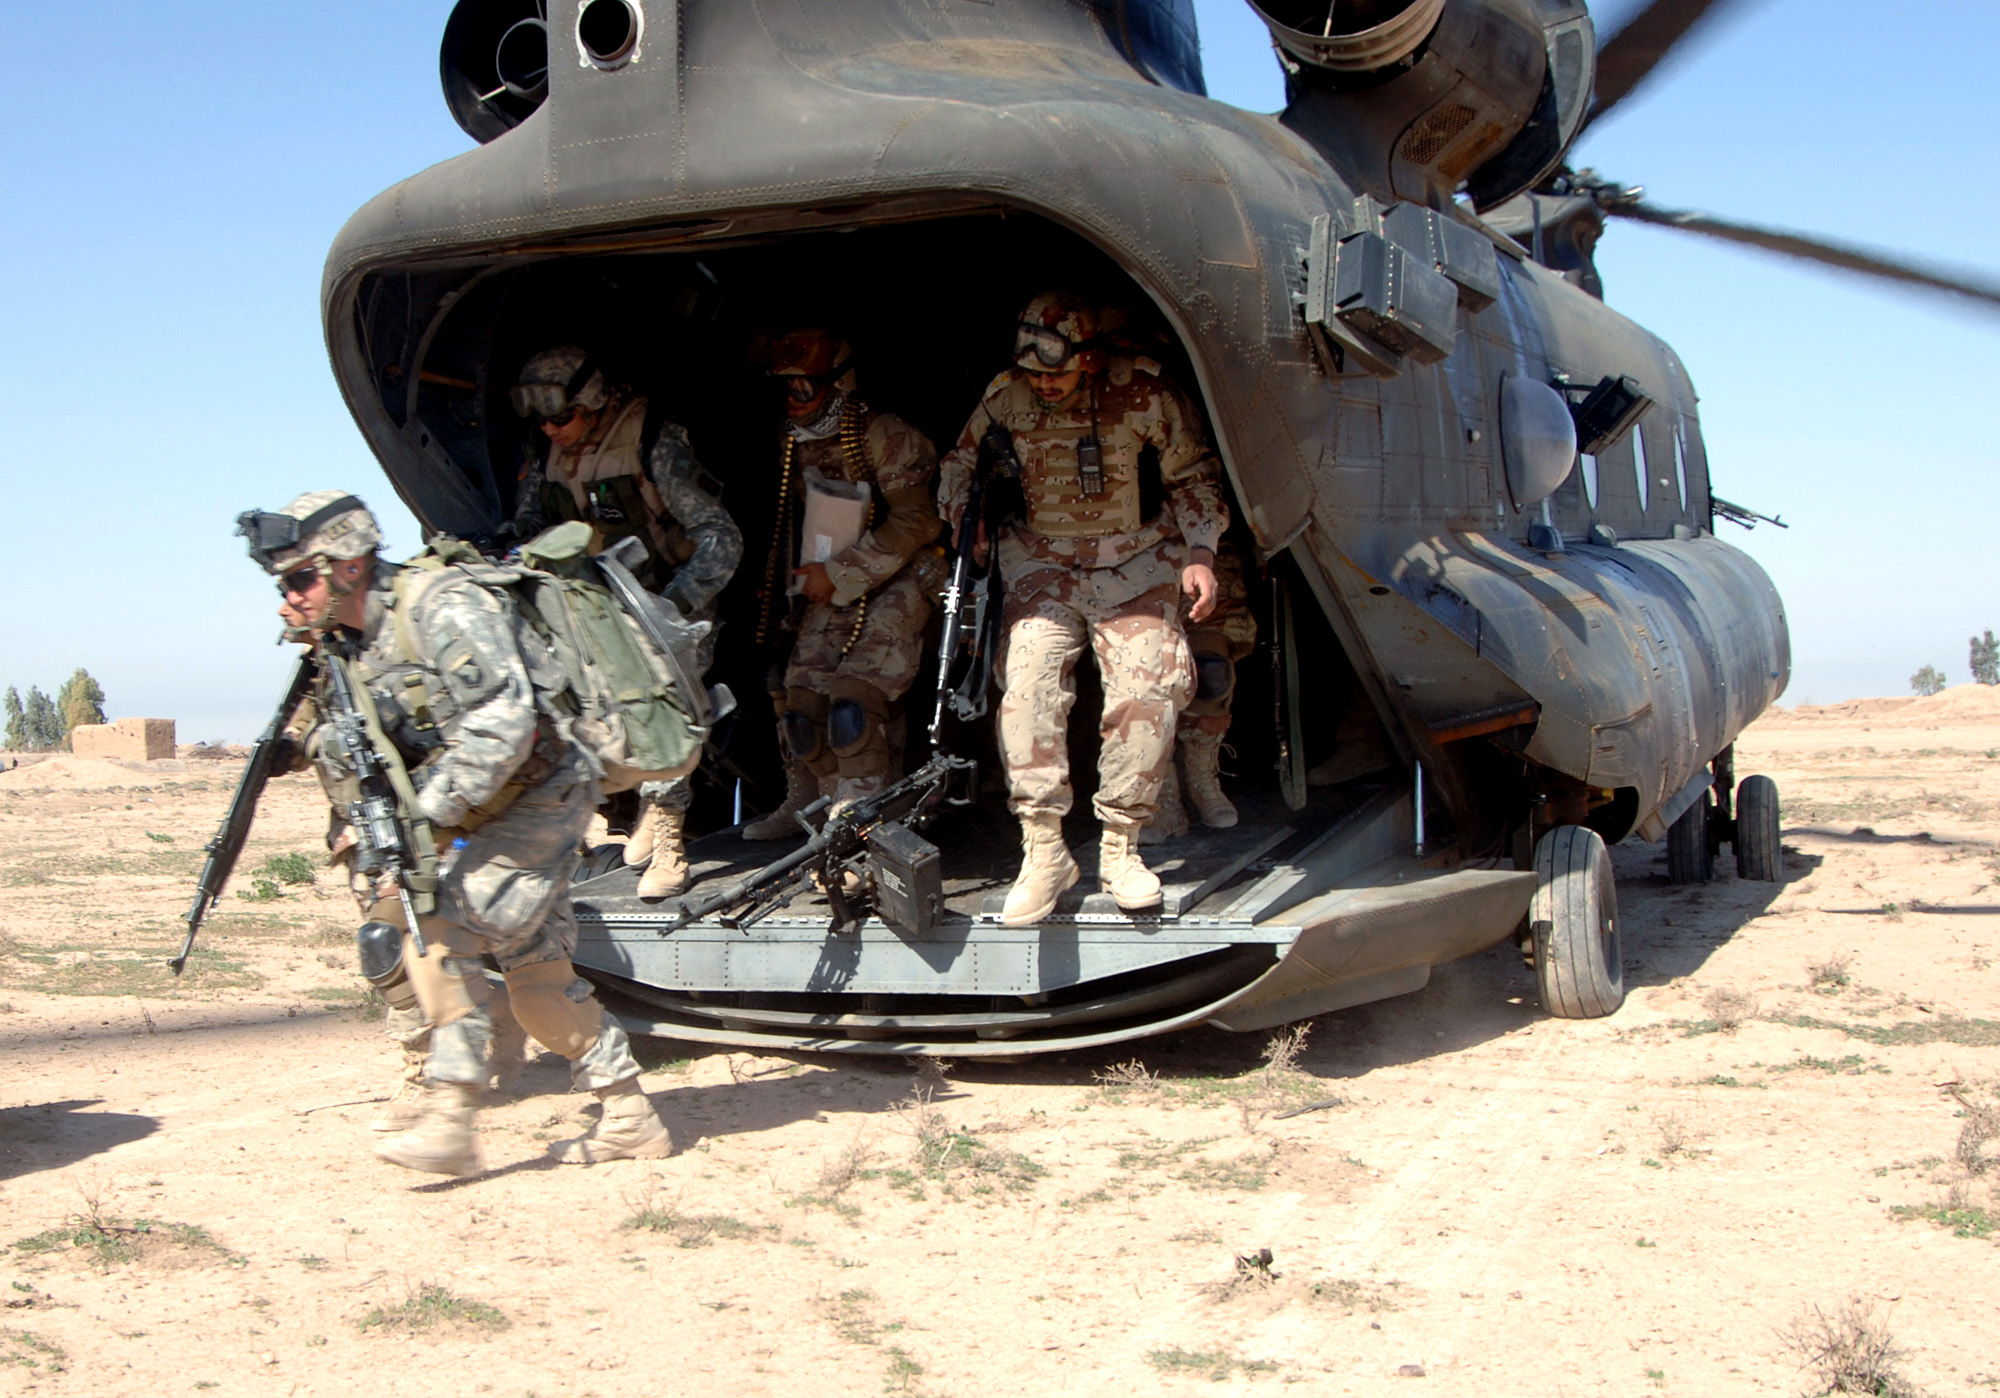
[(1759, 852), (1690, 852), (1573, 920)]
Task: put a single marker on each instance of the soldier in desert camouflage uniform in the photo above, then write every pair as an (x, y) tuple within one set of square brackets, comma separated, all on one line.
[(858, 616), (598, 434), (1218, 644), (506, 796), (1085, 568)]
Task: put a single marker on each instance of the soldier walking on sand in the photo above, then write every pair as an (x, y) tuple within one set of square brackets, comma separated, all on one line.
[(1086, 567), (854, 604), (618, 465), (505, 796)]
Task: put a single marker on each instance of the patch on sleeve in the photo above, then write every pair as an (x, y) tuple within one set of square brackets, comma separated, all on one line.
[(1000, 381), (468, 677), (1146, 366)]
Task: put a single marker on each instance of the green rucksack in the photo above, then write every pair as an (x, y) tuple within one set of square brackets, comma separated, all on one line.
[(610, 662)]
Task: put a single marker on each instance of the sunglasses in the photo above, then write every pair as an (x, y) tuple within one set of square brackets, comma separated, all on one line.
[(299, 580)]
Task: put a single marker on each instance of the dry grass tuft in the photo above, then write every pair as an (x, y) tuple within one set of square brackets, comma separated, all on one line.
[(1127, 1079), (1831, 975), (1981, 1129), (1850, 1351), (1730, 1009)]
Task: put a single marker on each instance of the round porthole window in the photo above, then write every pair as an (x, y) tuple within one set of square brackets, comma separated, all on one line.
[(608, 33)]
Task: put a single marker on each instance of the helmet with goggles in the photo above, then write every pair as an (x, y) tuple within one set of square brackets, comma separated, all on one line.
[(319, 524), (1055, 328), (812, 360), (557, 382)]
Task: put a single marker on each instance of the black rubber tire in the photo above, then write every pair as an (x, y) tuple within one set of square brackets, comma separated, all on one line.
[(1690, 854), (1760, 852), (1579, 965)]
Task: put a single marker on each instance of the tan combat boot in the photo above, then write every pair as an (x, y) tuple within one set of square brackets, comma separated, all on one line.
[(1123, 873), (629, 1130), (406, 1107), (1047, 869), (441, 1143), (639, 844), (667, 873), (801, 790), (1203, 752), (1172, 820)]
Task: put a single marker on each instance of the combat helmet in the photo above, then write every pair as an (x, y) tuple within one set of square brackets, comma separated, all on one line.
[(815, 360), (1056, 327), (558, 381), (321, 524)]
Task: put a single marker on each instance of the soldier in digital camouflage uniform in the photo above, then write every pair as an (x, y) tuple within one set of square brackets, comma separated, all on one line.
[(1084, 568), (599, 434), (1218, 644), (858, 617), (505, 795)]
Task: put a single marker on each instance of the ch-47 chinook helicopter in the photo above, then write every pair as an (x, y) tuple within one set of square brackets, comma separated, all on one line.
[(1499, 627)]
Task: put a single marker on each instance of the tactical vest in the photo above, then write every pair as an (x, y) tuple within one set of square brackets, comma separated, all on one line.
[(604, 484), (1047, 443)]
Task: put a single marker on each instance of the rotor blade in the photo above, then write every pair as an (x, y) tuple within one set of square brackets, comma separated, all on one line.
[(1867, 261), (1628, 57)]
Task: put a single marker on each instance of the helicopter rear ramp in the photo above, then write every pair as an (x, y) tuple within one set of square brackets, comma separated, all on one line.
[(1294, 916)]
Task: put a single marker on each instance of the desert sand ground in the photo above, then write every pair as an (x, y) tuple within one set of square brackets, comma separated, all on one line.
[(1781, 1124)]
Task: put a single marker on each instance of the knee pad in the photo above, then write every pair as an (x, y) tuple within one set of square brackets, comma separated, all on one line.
[(802, 726), (381, 949), (555, 1005), (1214, 678), (856, 727), (447, 985)]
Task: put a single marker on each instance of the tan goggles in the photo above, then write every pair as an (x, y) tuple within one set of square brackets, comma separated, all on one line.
[(539, 399), (1047, 347)]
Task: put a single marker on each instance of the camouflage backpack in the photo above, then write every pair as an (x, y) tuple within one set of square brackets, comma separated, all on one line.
[(611, 663)]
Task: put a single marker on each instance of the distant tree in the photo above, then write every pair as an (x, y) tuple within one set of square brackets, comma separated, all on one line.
[(42, 722), (80, 701), (1927, 681), (1986, 659), (17, 722)]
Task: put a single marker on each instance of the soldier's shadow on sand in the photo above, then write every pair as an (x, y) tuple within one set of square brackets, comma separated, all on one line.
[(50, 1135)]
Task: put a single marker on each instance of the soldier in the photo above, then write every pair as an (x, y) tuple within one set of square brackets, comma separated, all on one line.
[(1084, 567), (507, 797), (599, 435), (858, 613), (1218, 644)]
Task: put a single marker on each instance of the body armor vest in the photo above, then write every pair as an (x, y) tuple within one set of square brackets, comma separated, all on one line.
[(604, 484)]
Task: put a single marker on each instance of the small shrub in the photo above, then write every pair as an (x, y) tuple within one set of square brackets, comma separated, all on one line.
[(1214, 1365), (1830, 974), (1730, 1009), (294, 869), (1927, 681), (1982, 1127), (1131, 1076), (429, 1307), (1850, 1351), (159, 839)]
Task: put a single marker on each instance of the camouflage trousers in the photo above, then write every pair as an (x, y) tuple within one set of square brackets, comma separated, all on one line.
[(503, 892), (879, 639), (1147, 675)]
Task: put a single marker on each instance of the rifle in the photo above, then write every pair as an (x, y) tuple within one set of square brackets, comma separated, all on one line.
[(979, 636), (227, 844), (840, 845), (382, 843)]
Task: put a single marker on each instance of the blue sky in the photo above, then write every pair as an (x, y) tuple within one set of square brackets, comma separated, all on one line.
[(175, 175)]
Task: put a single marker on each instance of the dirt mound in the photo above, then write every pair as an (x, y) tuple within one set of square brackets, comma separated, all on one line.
[(1963, 703), (63, 772), (212, 752)]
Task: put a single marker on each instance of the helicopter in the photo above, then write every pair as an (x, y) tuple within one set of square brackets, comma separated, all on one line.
[(1499, 632)]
